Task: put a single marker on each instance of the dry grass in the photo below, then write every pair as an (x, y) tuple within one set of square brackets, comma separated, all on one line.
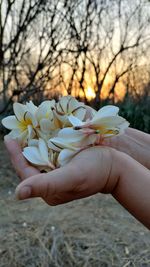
[(95, 231)]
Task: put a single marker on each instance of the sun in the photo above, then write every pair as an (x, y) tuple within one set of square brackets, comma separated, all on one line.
[(89, 92)]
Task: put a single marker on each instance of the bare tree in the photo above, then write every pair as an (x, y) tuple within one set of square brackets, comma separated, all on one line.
[(111, 39), (49, 46), (32, 37)]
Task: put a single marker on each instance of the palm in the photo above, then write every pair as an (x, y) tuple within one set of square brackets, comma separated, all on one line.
[(85, 175)]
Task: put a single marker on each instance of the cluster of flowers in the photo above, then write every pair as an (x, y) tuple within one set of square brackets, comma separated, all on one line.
[(52, 133)]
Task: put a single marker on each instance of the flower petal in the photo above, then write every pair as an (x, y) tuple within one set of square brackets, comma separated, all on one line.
[(90, 113), (10, 122), (123, 126), (107, 122), (62, 105), (33, 155), (31, 132), (54, 147), (106, 111), (30, 118), (46, 125), (80, 113), (75, 121), (44, 136), (15, 133), (56, 144), (33, 142), (43, 149), (70, 134), (48, 104), (31, 107), (65, 156), (20, 136), (45, 110), (19, 110), (74, 105), (73, 140)]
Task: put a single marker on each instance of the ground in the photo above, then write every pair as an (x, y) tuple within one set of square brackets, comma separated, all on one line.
[(94, 232)]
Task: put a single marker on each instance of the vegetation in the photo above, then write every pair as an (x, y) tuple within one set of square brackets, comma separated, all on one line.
[(48, 48)]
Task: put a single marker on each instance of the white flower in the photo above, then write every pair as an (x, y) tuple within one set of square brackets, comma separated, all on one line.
[(69, 142), (105, 122), (44, 116), (38, 154), (73, 139), (45, 120), (23, 122), (53, 133), (66, 106)]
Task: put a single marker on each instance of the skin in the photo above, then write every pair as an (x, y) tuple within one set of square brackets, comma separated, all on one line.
[(119, 167)]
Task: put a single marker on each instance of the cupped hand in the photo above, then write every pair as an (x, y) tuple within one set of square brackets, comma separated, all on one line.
[(89, 172), (97, 169)]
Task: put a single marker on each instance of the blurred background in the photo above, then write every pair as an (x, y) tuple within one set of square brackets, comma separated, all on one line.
[(99, 52), (95, 50)]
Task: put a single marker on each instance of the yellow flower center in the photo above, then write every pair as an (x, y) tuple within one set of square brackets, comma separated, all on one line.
[(24, 124), (102, 130)]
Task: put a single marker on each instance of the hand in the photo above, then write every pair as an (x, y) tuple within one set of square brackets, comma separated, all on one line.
[(134, 143), (94, 170), (87, 174)]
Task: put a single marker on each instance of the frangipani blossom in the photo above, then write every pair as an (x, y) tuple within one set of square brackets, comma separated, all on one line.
[(71, 139), (23, 122), (66, 106), (45, 110), (38, 154), (44, 116), (45, 120), (53, 133), (69, 142), (105, 122)]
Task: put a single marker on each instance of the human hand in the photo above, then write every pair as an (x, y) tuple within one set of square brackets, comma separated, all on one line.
[(134, 143), (88, 173), (94, 170)]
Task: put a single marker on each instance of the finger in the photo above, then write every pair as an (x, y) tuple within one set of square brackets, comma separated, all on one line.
[(85, 175), (139, 135), (57, 187), (134, 144), (20, 164)]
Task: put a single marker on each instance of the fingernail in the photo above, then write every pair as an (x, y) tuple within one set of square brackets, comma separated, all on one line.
[(23, 193)]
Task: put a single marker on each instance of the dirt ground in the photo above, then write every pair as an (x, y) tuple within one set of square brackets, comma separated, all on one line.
[(95, 231)]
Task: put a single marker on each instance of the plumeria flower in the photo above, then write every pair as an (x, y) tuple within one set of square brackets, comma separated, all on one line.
[(53, 133), (70, 138), (66, 106), (45, 109), (38, 154), (69, 142), (23, 122), (105, 122), (45, 120)]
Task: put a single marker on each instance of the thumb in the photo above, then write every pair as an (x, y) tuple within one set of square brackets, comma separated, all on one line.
[(85, 175), (55, 187)]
